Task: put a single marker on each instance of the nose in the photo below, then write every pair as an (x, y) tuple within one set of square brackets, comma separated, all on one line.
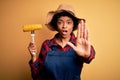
[(64, 25)]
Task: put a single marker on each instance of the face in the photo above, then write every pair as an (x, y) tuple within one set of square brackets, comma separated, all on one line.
[(65, 26)]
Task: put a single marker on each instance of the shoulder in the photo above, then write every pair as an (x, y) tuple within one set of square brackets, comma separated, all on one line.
[(45, 46), (48, 42)]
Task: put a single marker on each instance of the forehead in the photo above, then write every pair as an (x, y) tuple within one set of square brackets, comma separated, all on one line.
[(64, 18)]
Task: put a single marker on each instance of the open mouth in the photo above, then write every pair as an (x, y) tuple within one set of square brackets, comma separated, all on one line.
[(64, 32)]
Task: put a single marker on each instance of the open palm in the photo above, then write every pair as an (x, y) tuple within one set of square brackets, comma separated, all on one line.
[(82, 46)]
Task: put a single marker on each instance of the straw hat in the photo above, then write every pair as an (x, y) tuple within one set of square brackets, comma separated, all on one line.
[(61, 8)]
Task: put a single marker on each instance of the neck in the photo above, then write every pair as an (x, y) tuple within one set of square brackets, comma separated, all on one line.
[(62, 41)]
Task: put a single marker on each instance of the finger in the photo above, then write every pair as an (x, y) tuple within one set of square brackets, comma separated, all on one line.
[(87, 35), (32, 45), (78, 30), (33, 51), (82, 29), (85, 31), (71, 45)]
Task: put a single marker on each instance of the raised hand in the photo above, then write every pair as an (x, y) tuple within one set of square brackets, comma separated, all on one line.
[(82, 46)]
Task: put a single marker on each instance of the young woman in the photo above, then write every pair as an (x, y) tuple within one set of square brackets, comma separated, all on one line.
[(62, 57)]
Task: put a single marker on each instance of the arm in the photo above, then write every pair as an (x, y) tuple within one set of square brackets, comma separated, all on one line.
[(36, 65), (92, 55), (83, 46)]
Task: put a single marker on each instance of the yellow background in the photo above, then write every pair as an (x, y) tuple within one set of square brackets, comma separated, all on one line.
[(103, 21)]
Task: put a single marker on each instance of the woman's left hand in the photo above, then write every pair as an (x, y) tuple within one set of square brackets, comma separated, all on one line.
[(82, 46)]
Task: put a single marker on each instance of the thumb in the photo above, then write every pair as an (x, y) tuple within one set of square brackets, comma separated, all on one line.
[(71, 45)]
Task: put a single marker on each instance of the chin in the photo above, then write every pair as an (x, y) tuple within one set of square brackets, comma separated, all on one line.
[(65, 36)]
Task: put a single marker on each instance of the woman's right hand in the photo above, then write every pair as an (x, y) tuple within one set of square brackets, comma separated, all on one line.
[(33, 50)]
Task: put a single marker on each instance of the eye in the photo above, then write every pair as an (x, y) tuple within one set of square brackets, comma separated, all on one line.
[(59, 22), (69, 22)]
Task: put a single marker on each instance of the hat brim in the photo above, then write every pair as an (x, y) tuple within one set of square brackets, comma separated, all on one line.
[(52, 13)]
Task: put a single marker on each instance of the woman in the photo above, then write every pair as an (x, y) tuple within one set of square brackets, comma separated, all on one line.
[(62, 57)]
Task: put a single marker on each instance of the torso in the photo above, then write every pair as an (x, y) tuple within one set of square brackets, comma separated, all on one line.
[(62, 65)]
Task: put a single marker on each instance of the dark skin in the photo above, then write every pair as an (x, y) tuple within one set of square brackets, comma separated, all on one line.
[(65, 28), (83, 45)]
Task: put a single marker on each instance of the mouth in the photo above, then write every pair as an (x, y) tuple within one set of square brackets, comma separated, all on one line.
[(64, 32)]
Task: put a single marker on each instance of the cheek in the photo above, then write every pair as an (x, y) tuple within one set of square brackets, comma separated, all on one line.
[(70, 29), (59, 28)]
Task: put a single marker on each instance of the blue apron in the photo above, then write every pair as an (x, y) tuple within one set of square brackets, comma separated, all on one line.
[(61, 65)]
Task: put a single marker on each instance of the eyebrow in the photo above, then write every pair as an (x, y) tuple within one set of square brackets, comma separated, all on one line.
[(67, 20)]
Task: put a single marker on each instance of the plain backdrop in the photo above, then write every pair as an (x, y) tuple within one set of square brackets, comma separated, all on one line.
[(103, 22)]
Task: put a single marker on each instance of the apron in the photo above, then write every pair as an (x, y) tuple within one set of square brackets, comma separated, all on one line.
[(62, 65)]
